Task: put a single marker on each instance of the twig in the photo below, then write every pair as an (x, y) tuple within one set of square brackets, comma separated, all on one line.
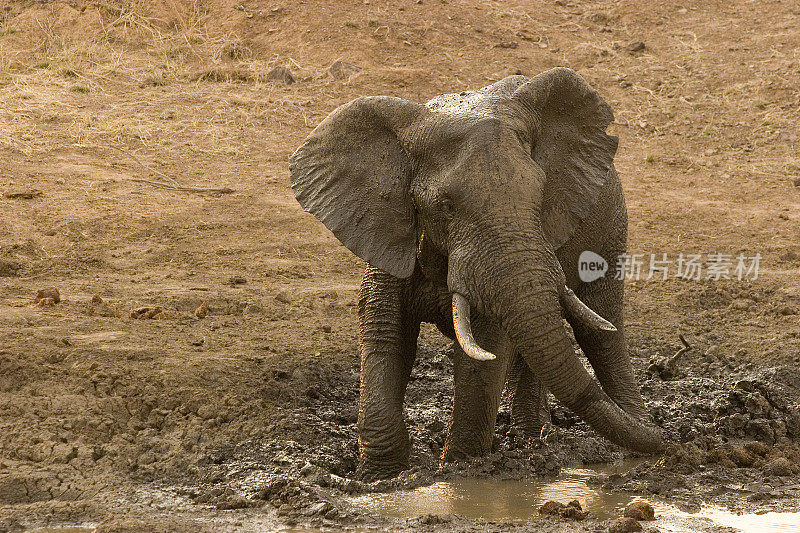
[(139, 161), (672, 361), (220, 190), (175, 186)]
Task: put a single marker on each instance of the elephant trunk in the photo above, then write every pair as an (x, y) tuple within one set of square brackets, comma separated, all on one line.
[(527, 302), (538, 333)]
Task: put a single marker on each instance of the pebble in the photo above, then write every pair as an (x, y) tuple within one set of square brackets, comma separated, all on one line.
[(283, 297), (281, 74), (342, 69), (50, 292), (202, 310)]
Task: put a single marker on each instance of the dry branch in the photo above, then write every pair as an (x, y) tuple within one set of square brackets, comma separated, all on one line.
[(174, 186)]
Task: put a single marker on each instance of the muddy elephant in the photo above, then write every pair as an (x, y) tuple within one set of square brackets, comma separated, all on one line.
[(471, 212)]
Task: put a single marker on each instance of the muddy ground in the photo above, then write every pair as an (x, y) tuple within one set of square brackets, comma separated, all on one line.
[(244, 417)]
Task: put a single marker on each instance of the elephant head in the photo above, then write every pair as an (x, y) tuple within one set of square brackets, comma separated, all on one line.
[(494, 180)]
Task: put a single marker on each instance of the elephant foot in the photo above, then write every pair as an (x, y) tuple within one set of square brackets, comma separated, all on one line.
[(369, 471), (463, 451)]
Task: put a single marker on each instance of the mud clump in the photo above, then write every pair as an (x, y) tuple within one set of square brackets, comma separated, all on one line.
[(47, 297), (572, 510), (624, 525), (144, 313), (640, 511), (50, 296)]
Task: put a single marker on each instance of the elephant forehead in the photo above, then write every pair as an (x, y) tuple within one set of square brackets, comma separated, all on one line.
[(474, 103)]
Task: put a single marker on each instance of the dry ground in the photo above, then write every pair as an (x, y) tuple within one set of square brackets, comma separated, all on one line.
[(707, 112)]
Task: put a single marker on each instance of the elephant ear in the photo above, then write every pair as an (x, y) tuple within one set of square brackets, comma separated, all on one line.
[(570, 144), (353, 174)]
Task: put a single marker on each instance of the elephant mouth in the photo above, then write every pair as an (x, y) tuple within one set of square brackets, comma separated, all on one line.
[(571, 304)]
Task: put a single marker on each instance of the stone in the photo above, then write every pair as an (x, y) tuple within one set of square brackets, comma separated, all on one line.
[(50, 292), (283, 297), (342, 70), (637, 46), (281, 74), (202, 310), (624, 525), (640, 510), (9, 269)]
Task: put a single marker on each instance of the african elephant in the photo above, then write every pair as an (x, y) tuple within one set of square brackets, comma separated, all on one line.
[(471, 212)]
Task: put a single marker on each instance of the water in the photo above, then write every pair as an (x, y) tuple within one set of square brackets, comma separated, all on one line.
[(498, 500)]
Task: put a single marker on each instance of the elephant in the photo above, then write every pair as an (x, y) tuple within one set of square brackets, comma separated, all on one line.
[(471, 212)]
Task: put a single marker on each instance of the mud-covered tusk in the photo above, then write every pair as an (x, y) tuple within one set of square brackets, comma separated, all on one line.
[(577, 309), (464, 330)]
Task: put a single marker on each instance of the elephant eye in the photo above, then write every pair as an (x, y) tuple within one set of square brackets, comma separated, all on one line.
[(445, 204)]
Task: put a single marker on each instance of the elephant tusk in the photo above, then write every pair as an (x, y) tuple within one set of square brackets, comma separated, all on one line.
[(464, 330), (576, 308)]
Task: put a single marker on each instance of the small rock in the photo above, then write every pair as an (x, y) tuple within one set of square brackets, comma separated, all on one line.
[(342, 69), (786, 311), (779, 467), (640, 511), (237, 280), (283, 297), (741, 304), (637, 46), (9, 269), (98, 307), (326, 328), (796, 182), (202, 310), (507, 44), (26, 194), (281, 74), (50, 292), (624, 525), (144, 313)]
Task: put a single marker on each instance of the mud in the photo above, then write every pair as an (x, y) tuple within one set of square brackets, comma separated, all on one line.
[(198, 370)]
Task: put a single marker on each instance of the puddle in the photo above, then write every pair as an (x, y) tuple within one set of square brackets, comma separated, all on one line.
[(497, 500)]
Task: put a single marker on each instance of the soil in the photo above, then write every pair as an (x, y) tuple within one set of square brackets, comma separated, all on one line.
[(198, 369)]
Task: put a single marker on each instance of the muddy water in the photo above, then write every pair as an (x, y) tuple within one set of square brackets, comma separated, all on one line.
[(498, 500)]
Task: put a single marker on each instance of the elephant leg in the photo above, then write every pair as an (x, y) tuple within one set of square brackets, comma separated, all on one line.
[(529, 409), (478, 387), (387, 345), (607, 351)]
